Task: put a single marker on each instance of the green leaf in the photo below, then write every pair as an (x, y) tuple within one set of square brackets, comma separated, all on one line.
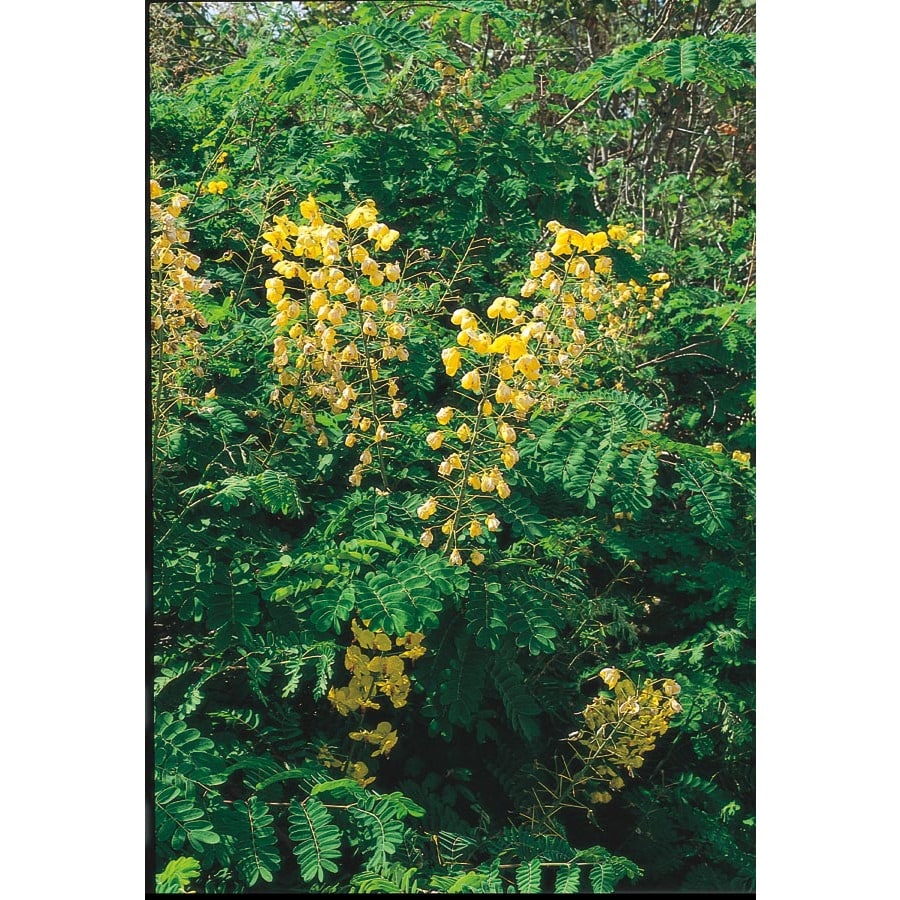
[(313, 61), (277, 493), (708, 495), (680, 61), (567, 880), (486, 615), (256, 854), (605, 876), (379, 832), (179, 820), (635, 480), (177, 875), (331, 608), (362, 65), (521, 708), (462, 684), (317, 840), (528, 877)]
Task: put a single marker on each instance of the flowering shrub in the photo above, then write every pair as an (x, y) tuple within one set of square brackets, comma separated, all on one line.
[(341, 320), (338, 342)]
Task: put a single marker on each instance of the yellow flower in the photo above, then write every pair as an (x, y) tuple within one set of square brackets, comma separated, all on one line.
[(481, 342), (597, 241), (386, 241), (435, 439), (377, 231), (450, 464), (463, 318), (410, 640), (451, 359), (504, 392), (617, 232), (386, 739), (426, 539), (363, 216), (671, 688), (506, 433), (529, 366), (509, 456), (427, 509), (455, 558), (217, 187), (477, 557), (464, 433), (392, 272), (471, 381), (742, 459), (155, 190), (561, 246), (492, 522), (503, 307), (523, 402), (444, 414), (310, 210), (611, 676)]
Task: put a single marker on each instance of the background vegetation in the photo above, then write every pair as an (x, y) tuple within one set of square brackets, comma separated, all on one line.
[(628, 540)]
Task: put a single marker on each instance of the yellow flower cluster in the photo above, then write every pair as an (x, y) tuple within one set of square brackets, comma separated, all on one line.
[(173, 283), (339, 327), (511, 364), (621, 729), (217, 187), (377, 667)]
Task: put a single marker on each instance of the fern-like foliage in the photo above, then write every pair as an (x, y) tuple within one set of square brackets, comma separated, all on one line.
[(462, 683), (317, 840), (567, 881), (605, 876), (393, 878), (256, 854), (233, 600), (486, 614), (277, 492), (378, 832), (528, 877), (179, 820), (177, 875), (708, 496), (361, 65), (720, 62), (681, 60), (521, 708), (181, 750)]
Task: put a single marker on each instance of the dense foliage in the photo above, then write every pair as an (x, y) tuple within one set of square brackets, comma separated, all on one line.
[(452, 441)]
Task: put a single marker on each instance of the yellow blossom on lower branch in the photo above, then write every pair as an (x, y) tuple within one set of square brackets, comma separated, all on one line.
[(377, 667)]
